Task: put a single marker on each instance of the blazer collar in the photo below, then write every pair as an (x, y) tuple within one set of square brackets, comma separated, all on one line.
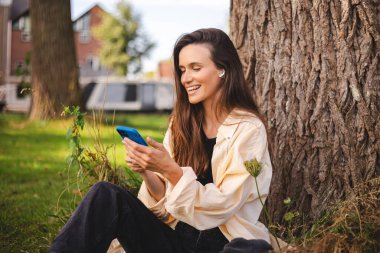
[(230, 124)]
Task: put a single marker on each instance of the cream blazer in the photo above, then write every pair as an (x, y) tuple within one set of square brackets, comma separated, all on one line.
[(231, 202)]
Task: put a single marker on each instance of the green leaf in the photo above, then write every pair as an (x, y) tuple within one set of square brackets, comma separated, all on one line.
[(68, 133)]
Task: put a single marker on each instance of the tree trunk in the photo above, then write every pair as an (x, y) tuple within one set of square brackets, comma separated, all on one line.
[(314, 69), (54, 67)]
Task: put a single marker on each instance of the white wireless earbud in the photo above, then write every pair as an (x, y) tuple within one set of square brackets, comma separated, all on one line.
[(222, 73)]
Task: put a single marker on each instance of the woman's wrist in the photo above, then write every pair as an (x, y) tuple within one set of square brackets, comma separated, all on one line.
[(148, 175), (143, 173), (174, 175), (155, 185)]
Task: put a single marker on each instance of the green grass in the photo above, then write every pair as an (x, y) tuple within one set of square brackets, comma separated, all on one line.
[(33, 173)]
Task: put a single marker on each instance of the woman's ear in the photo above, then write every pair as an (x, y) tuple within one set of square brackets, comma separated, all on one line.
[(221, 75)]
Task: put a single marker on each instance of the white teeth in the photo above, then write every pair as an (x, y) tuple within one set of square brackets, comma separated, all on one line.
[(191, 88)]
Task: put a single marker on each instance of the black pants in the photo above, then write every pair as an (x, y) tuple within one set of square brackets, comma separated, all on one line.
[(108, 212)]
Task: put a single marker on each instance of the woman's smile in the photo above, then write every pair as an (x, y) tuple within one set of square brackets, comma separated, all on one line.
[(192, 90)]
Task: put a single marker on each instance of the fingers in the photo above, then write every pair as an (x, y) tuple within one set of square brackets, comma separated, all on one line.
[(133, 148), (134, 154), (137, 169), (145, 157), (131, 145), (129, 160), (155, 144), (139, 158), (136, 158), (138, 150), (133, 165)]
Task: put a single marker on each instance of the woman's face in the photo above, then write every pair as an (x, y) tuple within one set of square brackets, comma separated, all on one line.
[(200, 76)]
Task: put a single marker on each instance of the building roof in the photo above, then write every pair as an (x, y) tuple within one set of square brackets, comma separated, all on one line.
[(19, 8), (88, 10)]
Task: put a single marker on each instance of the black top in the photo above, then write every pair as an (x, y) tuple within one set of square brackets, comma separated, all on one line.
[(193, 239), (206, 177)]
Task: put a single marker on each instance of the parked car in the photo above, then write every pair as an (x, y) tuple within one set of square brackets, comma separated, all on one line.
[(131, 96)]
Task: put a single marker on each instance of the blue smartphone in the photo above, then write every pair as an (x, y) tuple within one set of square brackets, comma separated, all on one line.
[(131, 133)]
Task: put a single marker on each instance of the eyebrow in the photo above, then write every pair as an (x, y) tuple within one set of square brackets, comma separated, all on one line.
[(190, 64)]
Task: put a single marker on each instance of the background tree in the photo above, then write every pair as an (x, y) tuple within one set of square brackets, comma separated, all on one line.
[(54, 67), (314, 67), (123, 43)]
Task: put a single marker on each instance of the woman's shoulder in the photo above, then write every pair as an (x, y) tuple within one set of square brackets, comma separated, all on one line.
[(247, 118)]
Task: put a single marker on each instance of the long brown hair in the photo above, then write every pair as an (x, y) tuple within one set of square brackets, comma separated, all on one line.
[(186, 118)]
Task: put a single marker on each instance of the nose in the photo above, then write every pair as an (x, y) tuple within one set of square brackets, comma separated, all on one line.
[(186, 77)]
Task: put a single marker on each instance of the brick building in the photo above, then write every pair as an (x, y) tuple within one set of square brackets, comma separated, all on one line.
[(86, 45), (16, 44)]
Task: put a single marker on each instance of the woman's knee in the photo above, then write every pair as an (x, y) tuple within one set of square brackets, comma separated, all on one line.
[(103, 193), (104, 187), (101, 185)]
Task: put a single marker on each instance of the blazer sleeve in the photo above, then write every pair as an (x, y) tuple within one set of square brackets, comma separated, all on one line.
[(208, 206)]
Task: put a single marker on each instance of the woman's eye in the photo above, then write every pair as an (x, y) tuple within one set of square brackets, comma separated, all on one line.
[(196, 69)]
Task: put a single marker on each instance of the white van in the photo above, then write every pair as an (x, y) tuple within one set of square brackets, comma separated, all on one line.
[(132, 96)]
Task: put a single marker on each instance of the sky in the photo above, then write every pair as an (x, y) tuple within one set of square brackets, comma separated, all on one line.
[(165, 20)]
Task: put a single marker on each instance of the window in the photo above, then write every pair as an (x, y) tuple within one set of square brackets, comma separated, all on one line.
[(25, 36), (130, 93), (83, 23), (84, 36), (82, 26), (86, 22), (23, 24), (117, 93), (18, 24), (78, 25)]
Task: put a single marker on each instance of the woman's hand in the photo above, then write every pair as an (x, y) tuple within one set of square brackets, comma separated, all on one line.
[(134, 166), (141, 159)]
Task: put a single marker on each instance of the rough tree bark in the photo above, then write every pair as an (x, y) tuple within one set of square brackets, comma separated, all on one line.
[(54, 67), (314, 68)]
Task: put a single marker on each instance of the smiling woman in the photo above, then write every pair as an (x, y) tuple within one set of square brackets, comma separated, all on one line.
[(197, 195), (199, 75)]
